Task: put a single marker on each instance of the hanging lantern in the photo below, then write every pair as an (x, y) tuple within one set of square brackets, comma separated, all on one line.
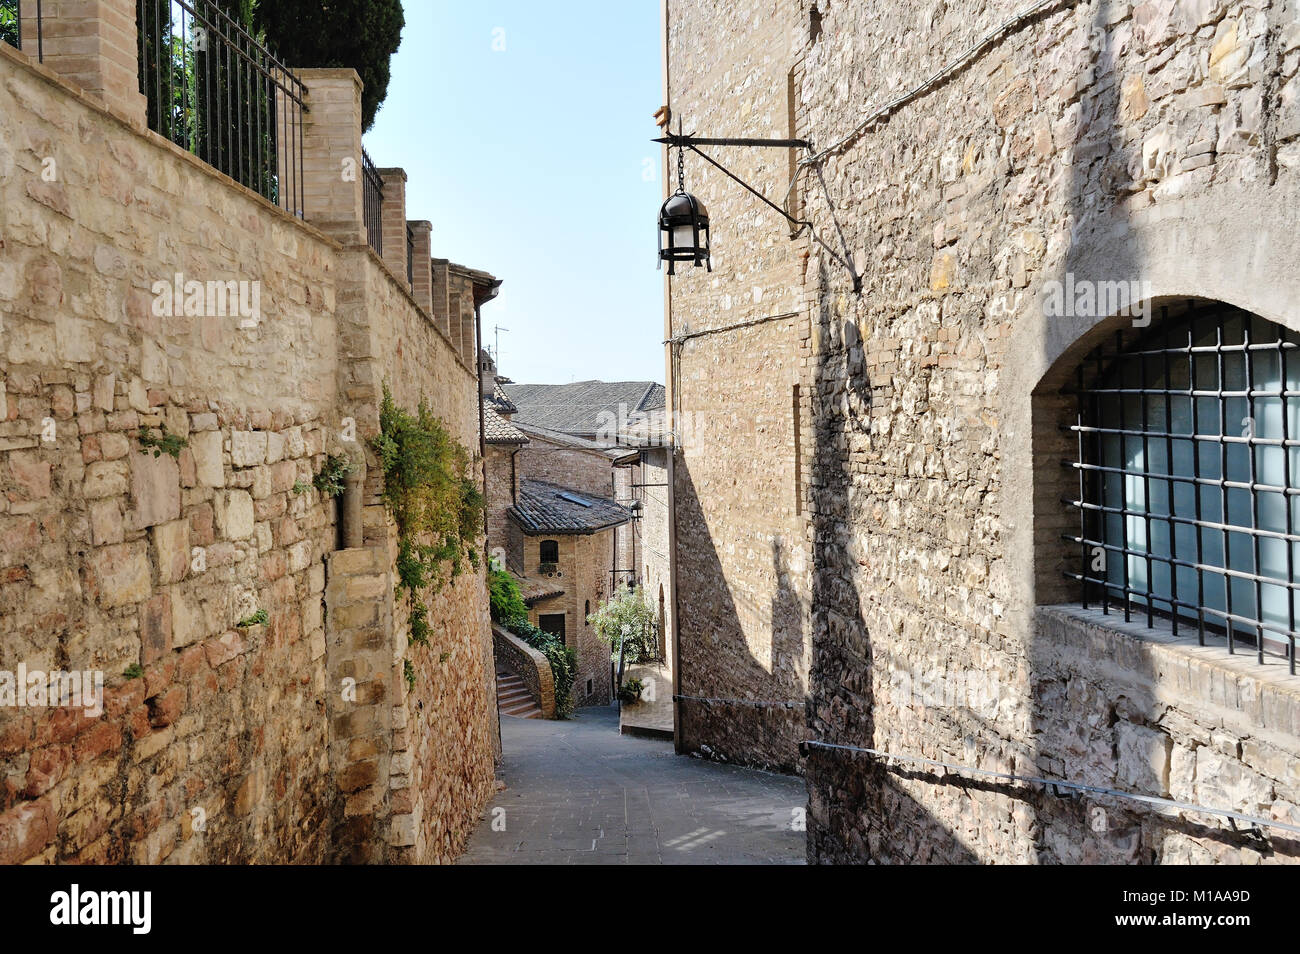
[(683, 225), (684, 231)]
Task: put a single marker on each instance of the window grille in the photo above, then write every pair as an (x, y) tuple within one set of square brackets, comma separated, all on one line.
[(1187, 453)]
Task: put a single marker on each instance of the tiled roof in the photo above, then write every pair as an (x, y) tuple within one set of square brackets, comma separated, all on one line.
[(534, 590), (569, 440), (584, 408), (543, 507), (498, 430), (500, 401)]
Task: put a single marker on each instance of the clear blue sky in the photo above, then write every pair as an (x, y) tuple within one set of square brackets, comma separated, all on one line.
[(530, 163)]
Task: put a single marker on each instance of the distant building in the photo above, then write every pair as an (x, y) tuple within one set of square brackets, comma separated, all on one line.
[(600, 441)]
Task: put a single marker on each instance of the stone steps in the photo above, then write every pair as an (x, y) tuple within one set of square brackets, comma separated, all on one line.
[(514, 699)]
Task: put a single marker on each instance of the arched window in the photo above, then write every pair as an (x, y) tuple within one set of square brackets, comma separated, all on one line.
[(1188, 464), (549, 552)]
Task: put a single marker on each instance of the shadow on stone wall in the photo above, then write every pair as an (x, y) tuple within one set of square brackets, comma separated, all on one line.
[(1087, 726), (716, 663), (857, 811)]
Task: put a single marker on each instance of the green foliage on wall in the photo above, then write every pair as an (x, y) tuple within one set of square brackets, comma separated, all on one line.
[(563, 660), (433, 499), (503, 593)]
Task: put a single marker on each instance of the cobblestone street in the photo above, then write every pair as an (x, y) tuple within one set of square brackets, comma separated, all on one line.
[(579, 793)]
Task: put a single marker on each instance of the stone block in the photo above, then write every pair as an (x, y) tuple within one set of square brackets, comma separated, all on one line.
[(155, 489), (155, 628), (247, 448), (234, 514), (209, 470), (172, 546), (121, 574)]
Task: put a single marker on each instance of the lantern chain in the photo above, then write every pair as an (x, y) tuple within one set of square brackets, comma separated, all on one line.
[(681, 169)]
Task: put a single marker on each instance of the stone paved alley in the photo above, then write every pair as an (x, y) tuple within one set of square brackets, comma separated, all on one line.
[(580, 793)]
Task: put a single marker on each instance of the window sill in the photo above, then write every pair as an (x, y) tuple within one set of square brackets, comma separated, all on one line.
[(1175, 666)]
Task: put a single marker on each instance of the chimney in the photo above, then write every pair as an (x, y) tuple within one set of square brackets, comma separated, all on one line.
[(488, 378)]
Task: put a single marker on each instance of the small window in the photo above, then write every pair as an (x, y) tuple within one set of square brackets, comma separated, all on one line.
[(549, 552), (814, 26), (587, 612), (590, 688), (1187, 469)]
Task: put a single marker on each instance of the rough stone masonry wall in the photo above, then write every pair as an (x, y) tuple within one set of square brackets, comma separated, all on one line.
[(1151, 142), (110, 558), (499, 467), (742, 546), (582, 470)]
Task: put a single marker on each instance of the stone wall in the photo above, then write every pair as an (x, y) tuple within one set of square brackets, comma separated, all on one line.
[(501, 469), (587, 471), (1153, 142), (584, 574), (233, 743), (742, 544), (529, 665)]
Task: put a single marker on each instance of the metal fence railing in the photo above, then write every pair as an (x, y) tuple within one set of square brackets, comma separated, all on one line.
[(410, 253), (372, 203), (21, 26), (215, 90)]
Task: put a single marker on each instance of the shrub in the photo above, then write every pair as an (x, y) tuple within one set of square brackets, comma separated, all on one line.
[(627, 621), (503, 593)]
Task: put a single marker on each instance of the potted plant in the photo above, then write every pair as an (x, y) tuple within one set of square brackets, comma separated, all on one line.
[(548, 568)]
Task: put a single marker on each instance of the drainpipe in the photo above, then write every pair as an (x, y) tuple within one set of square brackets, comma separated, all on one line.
[(671, 385), (351, 530)]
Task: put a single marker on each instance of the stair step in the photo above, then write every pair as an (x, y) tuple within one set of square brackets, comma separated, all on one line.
[(523, 712), (516, 704)]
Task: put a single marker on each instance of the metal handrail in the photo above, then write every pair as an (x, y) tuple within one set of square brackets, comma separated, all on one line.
[(372, 203)]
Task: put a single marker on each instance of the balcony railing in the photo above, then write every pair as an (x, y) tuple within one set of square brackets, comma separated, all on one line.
[(410, 253), (21, 26), (372, 203), (216, 91)]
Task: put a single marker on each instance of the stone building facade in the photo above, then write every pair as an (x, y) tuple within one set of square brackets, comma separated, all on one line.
[(601, 440), (221, 738), (897, 580), (562, 545)]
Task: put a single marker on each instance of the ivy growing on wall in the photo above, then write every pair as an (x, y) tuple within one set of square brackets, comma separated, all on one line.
[(431, 494), (508, 608)]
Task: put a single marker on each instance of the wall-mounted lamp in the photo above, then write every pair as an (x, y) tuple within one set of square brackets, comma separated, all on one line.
[(684, 231), (683, 220)]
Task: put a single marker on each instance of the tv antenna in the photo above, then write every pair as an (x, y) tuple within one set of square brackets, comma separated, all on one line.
[(496, 344)]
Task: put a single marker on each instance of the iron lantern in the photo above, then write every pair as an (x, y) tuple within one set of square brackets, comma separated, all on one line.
[(684, 231)]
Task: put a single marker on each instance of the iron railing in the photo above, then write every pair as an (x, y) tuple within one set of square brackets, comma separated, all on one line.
[(410, 254), (1188, 462), (215, 90), (372, 203), (14, 15)]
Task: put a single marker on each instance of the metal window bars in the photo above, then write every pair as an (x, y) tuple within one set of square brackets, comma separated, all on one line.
[(372, 203), (215, 90), (1187, 451), (14, 23)]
